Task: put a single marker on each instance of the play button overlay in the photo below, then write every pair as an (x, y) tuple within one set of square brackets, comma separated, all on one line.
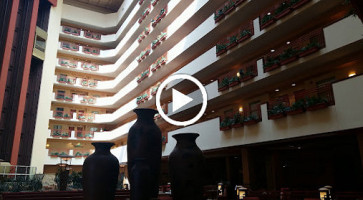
[(180, 100)]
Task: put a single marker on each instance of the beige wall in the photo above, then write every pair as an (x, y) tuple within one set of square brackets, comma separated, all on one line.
[(345, 114), (46, 88)]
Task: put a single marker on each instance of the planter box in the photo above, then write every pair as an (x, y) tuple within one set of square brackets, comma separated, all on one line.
[(222, 88), (154, 3), (283, 13), (251, 122), (277, 116), (237, 125), (295, 112), (225, 128), (301, 3), (288, 60), (272, 67), (221, 52), (230, 46), (153, 69), (234, 83), (239, 2), (229, 10), (219, 18), (267, 24), (308, 52), (246, 78), (317, 106), (244, 38)]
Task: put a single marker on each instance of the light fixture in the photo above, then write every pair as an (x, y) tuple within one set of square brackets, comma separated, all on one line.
[(47, 145), (293, 85), (241, 192), (288, 42), (238, 74), (323, 193), (351, 74), (220, 189), (211, 80), (240, 109), (272, 50), (213, 111), (269, 13), (277, 90)]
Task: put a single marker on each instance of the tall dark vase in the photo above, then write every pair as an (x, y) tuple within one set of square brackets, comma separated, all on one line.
[(187, 168), (100, 173), (144, 156)]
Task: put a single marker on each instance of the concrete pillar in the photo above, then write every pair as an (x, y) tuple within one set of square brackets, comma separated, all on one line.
[(245, 168)]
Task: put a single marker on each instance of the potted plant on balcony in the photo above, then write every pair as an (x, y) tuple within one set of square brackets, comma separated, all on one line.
[(225, 124), (145, 96), (310, 48), (221, 49), (243, 35), (234, 81), (67, 29), (95, 51), (67, 98), (141, 37), (139, 99), (74, 47), (298, 3), (87, 34), (88, 136), (249, 74), (232, 42), (162, 60), (251, 119), (267, 20), (71, 80), (54, 154), (87, 50), (56, 133), (58, 114), (228, 7), (93, 67), (59, 97), (223, 85), (237, 120), (65, 134), (76, 31), (155, 43), (65, 45), (153, 2), (315, 103), (147, 30), (141, 1), (218, 15), (282, 10), (78, 154), (276, 112), (296, 108), (288, 56), (270, 64), (81, 117), (84, 82)]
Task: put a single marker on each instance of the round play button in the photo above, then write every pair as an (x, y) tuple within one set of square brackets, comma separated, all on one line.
[(180, 100)]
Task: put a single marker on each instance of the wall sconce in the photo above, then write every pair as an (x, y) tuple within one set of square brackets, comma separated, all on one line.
[(220, 189), (238, 74), (351, 74), (241, 191), (325, 193), (240, 109)]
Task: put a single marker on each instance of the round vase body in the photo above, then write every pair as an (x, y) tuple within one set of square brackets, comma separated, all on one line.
[(100, 173), (144, 150), (187, 168)]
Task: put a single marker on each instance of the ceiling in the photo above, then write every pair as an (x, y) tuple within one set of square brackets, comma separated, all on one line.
[(103, 6)]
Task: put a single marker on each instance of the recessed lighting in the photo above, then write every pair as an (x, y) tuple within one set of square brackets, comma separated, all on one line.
[(351, 74), (293, 85), (272, 50), (277, 90), (169, 101), (47, 145), (211, 80), (238, 74), (212, 111), (288, 42), (269, 13)]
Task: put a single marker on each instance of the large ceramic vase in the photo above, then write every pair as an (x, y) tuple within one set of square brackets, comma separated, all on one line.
[(100, 173), (144, 156), (187, 168)]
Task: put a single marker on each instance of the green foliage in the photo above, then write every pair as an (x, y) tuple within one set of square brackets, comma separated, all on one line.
[(283, 6), (234, 79), (237, 119), (311, 101), (251, 117), (22, 183), (266, 19), (220, 47), (277, 109), (228, 5), (288, 53), (270, 62), (75, 179), (312, 44), (232, 39), (224, 82), (300, 104), (227, 121), (218, 14), (244, 33)]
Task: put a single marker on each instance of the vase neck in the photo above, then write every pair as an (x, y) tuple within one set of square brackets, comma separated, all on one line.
[(186, 140), (102, 147), (145, 115)]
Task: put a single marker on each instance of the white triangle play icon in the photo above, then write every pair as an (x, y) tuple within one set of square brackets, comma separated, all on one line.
[(179, 100)]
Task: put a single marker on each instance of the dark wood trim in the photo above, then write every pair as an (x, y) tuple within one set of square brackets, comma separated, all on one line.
[(24, 86)]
